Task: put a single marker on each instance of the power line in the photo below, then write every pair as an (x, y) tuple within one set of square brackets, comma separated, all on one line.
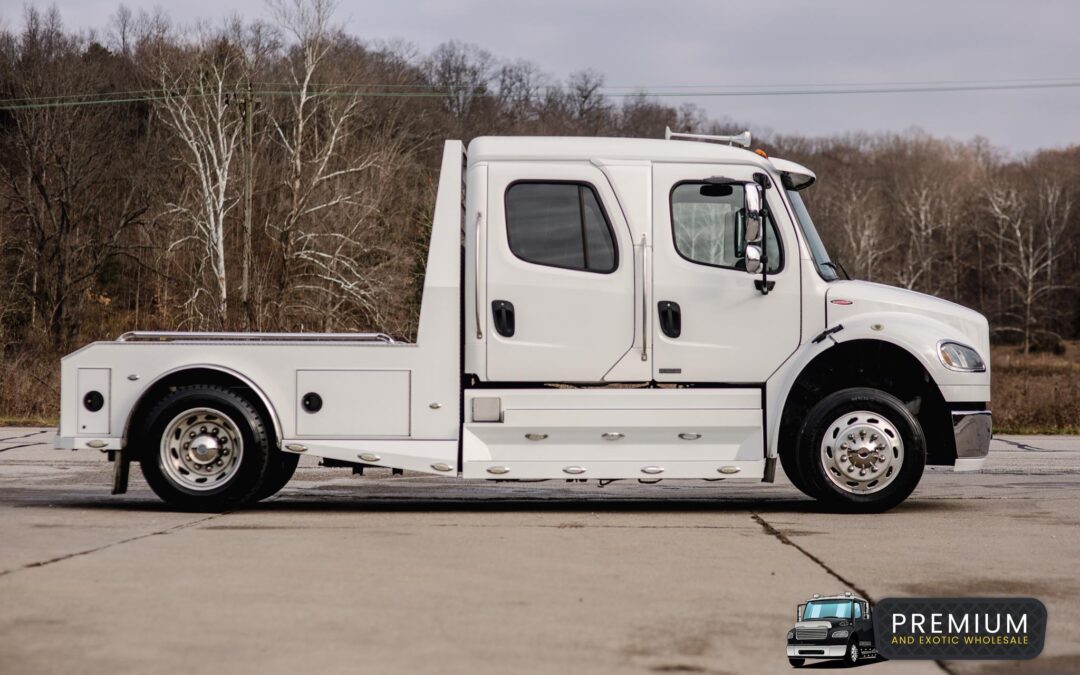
[(665, 91)]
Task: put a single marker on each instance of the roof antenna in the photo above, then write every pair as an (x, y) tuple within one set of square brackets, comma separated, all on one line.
[(742, 139)]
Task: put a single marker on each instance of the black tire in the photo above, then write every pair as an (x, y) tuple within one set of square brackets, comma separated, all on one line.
[(791, 470), (810, 469), (242, 486), (796, 663), (851, 656), (281, 470)]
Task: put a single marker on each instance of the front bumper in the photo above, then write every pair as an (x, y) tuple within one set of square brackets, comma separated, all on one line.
[(971, 430), (816, 651)]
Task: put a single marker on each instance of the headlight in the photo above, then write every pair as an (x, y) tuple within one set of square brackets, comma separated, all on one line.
[(791, 635), (840, 633), (956, 356)]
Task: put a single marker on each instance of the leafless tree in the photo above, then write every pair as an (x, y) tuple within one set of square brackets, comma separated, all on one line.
[(1028, 233), (203, 85)]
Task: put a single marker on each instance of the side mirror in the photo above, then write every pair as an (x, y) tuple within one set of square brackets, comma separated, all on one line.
[(752, 207), (799, 612), (753, 258)]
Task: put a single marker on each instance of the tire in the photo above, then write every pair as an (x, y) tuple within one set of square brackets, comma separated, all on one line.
[(860, 450), (281, 470), (791, 470), (851, 656), (796, 663), (227, 468)]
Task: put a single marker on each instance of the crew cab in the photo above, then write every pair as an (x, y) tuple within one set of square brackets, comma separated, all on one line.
[(593, 309), (832, 627)]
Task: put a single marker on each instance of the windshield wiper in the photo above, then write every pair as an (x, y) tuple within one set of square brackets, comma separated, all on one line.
[(838, 268)]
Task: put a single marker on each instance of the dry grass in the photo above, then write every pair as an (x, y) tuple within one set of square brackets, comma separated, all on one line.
[(1036, 393), (29, 390)]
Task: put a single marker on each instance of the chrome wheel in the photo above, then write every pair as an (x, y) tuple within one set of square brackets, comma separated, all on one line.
[(862, 452), (201, 449), (853, 653)]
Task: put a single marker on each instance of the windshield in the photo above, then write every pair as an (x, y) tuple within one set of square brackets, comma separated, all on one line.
[(825, 266), (828, 609)]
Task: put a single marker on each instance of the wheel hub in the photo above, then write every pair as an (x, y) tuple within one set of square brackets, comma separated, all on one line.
[(862, 452), (205, 449), (201, 449)]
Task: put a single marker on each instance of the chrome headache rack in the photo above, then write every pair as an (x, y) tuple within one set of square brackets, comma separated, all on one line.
[(193, 336)]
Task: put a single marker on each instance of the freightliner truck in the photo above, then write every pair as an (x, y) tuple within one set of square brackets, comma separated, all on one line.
[(832, 627), (593, 309)]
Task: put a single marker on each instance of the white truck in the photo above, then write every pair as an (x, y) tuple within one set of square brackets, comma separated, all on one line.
[(593, 309)]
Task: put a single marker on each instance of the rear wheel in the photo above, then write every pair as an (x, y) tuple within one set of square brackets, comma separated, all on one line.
[(281, 470), (859, 449), (205, 448)]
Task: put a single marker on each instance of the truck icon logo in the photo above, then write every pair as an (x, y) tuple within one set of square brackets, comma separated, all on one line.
[(836, 627)]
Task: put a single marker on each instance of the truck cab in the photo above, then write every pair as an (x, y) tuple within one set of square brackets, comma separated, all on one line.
[(832, 627), (593, 308)]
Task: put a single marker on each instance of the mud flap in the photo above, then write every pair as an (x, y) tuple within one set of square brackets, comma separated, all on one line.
[(121, 469), (770, 470)]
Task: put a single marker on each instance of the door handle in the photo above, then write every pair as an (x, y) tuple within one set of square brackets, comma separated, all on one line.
[(503, 312), (670, 318)]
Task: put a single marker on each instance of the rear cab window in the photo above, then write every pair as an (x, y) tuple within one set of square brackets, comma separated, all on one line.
[(560, 224)]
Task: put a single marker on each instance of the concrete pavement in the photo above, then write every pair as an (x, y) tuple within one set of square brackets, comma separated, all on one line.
[(434, 575)]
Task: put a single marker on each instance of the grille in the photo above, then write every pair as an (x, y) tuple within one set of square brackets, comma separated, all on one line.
[(811, 633)]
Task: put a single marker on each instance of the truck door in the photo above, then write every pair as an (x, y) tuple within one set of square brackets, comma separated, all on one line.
[(711, 324), (560, 274)]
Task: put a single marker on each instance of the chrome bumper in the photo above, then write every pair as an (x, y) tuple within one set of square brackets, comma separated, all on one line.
[(971, 431), (816, 652)]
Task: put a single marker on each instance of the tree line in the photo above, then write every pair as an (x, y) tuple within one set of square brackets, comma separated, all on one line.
[(279, 175)]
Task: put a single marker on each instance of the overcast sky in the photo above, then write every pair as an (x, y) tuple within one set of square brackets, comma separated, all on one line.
[(754, 42)]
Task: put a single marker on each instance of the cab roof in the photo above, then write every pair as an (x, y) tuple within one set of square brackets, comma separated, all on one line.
[(837, 597), (525, 148), (589, 148)]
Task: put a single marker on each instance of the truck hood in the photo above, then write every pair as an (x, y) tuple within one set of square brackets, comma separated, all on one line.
[(820, 623), (867, 297)]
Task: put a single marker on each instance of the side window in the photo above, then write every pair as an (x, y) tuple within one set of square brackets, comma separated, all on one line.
[(858, 610), (560, 225), (709, 226)]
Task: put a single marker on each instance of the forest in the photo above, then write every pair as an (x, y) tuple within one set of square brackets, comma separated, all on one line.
[(279, 175)]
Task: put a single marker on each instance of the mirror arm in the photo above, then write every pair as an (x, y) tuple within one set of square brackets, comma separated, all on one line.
[(763, 180)]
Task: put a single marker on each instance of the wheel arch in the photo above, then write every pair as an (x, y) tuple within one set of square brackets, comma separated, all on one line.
[(870, 362), (200, 374)]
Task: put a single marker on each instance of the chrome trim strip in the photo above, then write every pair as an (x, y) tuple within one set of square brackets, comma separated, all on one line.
[(195, 336)]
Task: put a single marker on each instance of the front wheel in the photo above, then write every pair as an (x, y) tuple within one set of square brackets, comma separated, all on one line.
[(860, 449), (205, 448), (796, 663), (852, 656)]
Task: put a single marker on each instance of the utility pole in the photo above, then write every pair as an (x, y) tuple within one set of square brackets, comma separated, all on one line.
[(249, 169)]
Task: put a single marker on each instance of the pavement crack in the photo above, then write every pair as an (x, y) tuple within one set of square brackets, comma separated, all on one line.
[(78, 554), (15, 438), (783, 539), (1024, 446), (22, 445)]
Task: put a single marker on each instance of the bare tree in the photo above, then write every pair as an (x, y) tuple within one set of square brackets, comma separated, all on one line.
[(204, 84), (1028, 233)]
